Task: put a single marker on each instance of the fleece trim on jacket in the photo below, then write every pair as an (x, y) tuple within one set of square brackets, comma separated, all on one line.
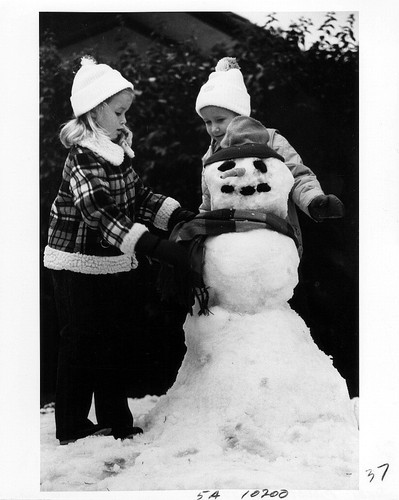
[(132, 237), (104, 147), (88, 264)]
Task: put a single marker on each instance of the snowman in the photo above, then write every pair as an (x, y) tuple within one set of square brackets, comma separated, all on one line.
[(254, 394)]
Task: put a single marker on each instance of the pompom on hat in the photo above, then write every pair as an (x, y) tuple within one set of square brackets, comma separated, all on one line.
[(93, 84), (226, 89), (245, 138)]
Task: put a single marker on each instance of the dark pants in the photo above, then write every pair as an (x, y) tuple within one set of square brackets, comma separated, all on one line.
[(97, 320)]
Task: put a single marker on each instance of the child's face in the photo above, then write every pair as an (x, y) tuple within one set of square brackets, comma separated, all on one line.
[(216, 121), (112, 116)]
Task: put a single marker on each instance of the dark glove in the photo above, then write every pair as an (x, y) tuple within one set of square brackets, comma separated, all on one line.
[(165, 251), (326, 207), (180, 215)]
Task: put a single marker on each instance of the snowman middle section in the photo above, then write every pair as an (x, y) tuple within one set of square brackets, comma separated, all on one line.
[(250, 271)]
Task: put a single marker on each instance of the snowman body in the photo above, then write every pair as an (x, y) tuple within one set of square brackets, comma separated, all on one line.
[(253, 381)]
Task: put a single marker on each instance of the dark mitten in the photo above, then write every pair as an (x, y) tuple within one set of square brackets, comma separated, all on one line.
[(165, 251), (180, 215), (326, 207), (147, 243)]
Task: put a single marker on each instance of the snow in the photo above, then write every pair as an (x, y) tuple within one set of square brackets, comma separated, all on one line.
[(254, 398), (106, 464), (243, 289)]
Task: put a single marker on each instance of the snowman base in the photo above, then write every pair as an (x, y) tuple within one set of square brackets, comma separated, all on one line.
[(260, 409)]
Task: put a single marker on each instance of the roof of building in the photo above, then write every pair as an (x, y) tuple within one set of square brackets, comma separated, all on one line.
[(106, 31)]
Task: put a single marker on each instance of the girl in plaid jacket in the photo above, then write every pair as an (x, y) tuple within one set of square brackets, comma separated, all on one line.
[(98, 221)]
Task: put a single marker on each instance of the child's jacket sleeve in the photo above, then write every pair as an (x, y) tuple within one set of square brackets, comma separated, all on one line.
[(112, 202), (306, 186), (206, 197)]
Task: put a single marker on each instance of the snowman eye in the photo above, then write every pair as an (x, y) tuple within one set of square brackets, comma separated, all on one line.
[(258, 164), (227, 165)]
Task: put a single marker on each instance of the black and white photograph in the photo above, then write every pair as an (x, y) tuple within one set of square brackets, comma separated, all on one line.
[(205, 252)]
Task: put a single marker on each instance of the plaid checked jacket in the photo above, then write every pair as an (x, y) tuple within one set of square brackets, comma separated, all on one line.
[(101, 210)]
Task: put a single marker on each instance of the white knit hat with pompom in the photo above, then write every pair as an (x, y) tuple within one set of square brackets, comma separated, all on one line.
[(93, 84), (226, 89)]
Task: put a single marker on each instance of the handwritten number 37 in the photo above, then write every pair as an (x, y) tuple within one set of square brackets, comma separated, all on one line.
[(371, 474)]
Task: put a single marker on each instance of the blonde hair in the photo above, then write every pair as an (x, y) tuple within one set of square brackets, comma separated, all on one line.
[(77, 129)]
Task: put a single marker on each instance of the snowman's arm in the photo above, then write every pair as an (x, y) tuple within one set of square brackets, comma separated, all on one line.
[(306, 185)]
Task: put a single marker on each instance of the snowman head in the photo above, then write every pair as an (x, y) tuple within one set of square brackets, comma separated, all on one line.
[(247, 174)]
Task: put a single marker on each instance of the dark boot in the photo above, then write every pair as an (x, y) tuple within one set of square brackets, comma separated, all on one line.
[(126, 432), (94, 430)]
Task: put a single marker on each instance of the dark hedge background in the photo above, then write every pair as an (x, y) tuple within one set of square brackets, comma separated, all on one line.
[(310, 96)]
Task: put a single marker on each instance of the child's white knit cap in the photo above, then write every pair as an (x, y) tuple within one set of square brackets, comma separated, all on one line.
[(93, 84), (226, 89)]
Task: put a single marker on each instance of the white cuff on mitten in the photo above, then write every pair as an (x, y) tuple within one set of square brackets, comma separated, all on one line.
[(164, 213), (133, 236)]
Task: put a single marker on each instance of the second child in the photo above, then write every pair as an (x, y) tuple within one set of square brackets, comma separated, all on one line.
[(222, 98)]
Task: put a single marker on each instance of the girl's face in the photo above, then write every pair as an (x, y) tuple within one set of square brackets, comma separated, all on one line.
[(111, 116), (216, 121)]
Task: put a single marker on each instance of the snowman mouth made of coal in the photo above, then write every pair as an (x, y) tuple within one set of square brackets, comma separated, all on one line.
[(250, 183)]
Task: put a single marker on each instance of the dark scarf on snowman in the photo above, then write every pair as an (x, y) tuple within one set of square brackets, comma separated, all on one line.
[(192, 234)]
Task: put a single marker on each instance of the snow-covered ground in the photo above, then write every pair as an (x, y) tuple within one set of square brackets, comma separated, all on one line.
[(106, 464), (88, 464)]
